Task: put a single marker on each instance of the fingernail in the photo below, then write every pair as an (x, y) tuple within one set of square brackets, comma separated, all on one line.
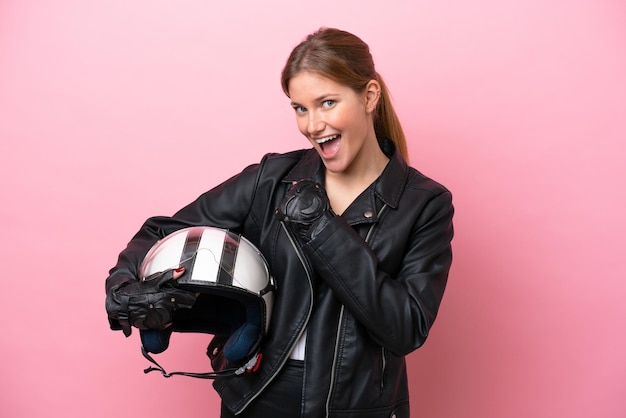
[(180, 269)]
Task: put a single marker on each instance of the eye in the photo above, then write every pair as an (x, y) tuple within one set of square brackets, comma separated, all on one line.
[(328, 103), (299, 109)]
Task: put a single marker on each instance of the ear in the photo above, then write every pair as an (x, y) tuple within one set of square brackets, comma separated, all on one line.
[(373, 90)]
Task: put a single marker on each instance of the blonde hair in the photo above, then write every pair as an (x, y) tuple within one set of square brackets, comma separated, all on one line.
[(346, 59)]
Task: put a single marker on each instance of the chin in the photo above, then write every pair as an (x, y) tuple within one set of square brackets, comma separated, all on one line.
[(334, 166)]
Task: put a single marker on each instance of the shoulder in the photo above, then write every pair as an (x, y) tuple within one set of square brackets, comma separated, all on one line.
[(430, 196), (272, 163), (292, 165), (275, 167), (289, 158), (420, 182)]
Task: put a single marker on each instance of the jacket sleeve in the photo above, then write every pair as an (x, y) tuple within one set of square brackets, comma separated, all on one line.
[(397, 311), (225, 206)]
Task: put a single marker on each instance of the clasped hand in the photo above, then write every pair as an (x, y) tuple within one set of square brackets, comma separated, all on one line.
[(148, 304), (305, 209)]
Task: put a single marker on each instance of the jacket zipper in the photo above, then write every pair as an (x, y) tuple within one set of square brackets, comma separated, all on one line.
[(338, 335), (383, 366), (308, 274), (383, 354), (334, 367)]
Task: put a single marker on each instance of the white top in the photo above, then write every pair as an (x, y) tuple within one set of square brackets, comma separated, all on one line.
[(299, 349)]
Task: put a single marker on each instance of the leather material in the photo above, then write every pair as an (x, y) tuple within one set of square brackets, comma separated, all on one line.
[(305, 209), (367, 287), (148, 305)]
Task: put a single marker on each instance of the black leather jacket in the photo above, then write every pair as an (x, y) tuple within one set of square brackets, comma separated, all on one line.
[(367, 288)]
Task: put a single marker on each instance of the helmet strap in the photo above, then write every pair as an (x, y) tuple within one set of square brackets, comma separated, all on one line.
[(250, 367)]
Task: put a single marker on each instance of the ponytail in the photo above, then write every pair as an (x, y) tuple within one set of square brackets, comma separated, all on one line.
[(386, 122)]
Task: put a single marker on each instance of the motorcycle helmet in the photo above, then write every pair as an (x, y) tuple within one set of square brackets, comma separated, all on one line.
[(234, 288)]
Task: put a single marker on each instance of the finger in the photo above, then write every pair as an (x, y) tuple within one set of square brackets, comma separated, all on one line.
[(178, 272)]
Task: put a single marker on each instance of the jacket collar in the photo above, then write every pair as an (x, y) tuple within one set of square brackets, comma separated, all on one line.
[(388, 187)]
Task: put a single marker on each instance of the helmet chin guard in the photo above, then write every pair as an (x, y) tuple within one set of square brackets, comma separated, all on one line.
[(235, 294)]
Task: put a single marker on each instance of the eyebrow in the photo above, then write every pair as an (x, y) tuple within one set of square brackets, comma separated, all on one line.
[(319, 99)]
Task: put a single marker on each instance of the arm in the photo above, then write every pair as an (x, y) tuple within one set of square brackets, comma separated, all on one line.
[(397, 311), (225, 206)]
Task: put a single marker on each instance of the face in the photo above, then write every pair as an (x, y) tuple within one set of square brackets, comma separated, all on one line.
[(337, 120)]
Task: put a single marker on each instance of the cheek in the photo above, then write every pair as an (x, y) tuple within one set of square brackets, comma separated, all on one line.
[(346, 121), (301, 123)]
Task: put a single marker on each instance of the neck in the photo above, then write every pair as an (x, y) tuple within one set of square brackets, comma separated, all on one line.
[(370, 164), (342, 188)]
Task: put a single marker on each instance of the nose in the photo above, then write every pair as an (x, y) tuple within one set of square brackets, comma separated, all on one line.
[(315, 124)]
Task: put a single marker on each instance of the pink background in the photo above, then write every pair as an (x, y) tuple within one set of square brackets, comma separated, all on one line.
[(113, 111)]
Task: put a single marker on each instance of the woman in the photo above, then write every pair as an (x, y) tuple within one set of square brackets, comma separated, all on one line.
[(357, 241)]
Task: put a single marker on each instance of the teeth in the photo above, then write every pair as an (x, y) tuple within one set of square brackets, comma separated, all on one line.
[(326, 139)]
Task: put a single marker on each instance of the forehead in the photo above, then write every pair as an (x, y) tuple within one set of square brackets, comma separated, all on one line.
[(307, 85)]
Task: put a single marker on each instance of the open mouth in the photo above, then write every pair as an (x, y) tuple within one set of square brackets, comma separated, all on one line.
[(329, 143)]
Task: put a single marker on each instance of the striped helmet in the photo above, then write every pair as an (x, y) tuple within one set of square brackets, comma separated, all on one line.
[(232, 280)]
